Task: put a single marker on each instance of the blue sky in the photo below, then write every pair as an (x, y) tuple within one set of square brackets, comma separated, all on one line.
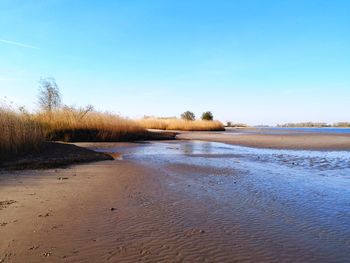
[(257, 62)]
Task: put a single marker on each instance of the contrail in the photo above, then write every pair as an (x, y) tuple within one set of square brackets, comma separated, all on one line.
[(17, 44)]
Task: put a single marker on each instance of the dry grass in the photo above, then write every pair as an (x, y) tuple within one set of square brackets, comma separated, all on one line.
[(70, 124), (18, 133), (179, 124), (22, 132)]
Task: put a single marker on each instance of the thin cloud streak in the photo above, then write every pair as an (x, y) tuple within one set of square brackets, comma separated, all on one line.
[(18, 44)]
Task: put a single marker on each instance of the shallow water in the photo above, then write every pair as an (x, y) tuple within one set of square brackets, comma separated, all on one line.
[(290, 205)]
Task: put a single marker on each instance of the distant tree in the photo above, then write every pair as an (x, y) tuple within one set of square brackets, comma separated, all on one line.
[(207, 116), (49, 96), (188, 115), (229, 123)]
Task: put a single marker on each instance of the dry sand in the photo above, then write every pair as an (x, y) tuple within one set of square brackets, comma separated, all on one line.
[(275, 141)]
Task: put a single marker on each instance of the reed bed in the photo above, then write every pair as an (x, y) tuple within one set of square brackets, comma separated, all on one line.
[(77, 125), (19, 133), (180, 124), (22, 132)]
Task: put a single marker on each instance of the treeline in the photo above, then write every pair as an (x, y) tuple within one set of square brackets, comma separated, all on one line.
[(314, 125)]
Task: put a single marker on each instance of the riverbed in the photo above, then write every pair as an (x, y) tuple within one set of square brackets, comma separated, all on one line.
[(181, 201)]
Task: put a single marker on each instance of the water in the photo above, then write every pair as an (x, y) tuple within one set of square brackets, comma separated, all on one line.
[(294, 202)]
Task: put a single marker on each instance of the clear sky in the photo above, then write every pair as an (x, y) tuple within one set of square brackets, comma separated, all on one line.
[(251, 61)]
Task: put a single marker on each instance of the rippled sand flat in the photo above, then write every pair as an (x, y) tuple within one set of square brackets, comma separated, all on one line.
[(181, 201)]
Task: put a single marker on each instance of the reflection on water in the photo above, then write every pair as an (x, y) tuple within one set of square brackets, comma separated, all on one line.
[(193, 148), (335, 163), (292, 198)]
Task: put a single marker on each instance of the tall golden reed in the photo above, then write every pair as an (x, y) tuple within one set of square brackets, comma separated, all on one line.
[(21, 132), (179, 124), (18, 133), (77, 125)]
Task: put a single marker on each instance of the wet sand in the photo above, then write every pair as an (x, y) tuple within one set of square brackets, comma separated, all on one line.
[(292, 140), (180, 202)]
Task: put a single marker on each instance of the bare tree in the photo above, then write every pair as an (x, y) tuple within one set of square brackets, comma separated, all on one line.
[(85, 110), (78, 113), (49, 94)]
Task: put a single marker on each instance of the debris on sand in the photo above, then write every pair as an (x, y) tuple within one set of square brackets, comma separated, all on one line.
[(6, 203), (33, 247), (46, 215), (62, 178)]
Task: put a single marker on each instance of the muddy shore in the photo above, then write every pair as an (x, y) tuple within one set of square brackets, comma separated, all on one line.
[(53, 154), (295, 141), (179, 201), (59, 154)]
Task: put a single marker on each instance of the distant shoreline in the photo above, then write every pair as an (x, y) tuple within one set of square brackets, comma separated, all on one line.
[(290, 141)]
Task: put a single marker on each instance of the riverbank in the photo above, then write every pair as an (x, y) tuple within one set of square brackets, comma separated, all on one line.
[(294, 141), (52, 155), (59, 154), (179, 201)]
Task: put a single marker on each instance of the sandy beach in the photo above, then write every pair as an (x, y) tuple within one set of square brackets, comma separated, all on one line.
[(179, 201), (174, 131), (295, 140)]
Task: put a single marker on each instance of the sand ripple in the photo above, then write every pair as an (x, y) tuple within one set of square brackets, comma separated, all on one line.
[(186, 202)]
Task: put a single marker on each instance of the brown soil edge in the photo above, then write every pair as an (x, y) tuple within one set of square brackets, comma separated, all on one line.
[(91, 135), (159, 136), (57, 154), (54, 155)]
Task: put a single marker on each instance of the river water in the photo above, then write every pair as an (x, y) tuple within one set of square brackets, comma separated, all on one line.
[(284, 205)]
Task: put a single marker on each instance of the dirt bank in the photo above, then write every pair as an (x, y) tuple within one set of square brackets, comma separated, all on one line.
[(52, 155)]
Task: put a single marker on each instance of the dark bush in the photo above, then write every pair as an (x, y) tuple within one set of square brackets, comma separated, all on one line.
[(207, 116)]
